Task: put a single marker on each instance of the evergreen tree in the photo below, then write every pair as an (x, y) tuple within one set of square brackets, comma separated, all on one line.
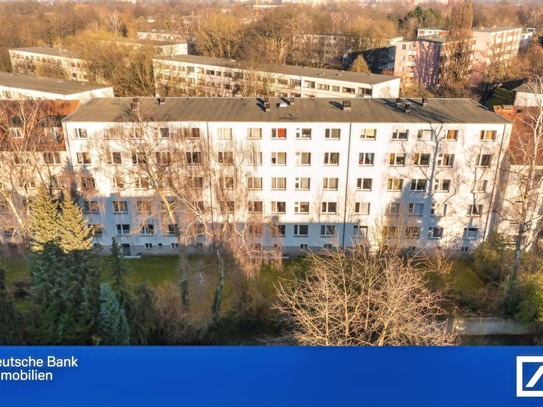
[(74, 232), (113, 327), (44, 219), (9, 318), (144, 315)]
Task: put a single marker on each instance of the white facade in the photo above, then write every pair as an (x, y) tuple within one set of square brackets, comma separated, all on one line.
[(330, 174), (17, 87), (204, 76)]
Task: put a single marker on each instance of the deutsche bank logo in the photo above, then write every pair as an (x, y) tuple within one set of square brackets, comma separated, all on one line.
[(529, 376)]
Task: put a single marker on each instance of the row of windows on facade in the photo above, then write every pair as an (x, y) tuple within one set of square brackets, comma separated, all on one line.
[(302, 230), (280, 207), (269, 80), (276, 158), (281, 133)]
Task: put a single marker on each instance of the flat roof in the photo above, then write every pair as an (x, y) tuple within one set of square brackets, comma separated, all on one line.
[(319, 110), (496, 29), (55, 52), (48, 85), (331, 74)]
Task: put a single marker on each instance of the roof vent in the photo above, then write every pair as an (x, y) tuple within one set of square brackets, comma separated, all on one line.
[(408, 108), (291, 101), (346, 105), (424, 101), (266, 99), (398, 102), (266, 106), (161, 100), (135, 105), (282, 104)]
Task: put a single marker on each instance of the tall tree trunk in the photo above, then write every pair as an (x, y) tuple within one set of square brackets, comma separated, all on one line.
[(219, 287)]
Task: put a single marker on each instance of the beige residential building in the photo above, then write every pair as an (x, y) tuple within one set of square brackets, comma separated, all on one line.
[(203, 76)]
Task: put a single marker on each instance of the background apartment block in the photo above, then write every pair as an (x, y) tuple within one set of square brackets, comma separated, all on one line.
[(319, 172), (204, 76), (16, 87), (44, 61)]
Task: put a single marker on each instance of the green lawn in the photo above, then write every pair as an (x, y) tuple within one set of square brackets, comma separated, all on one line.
[(500, 97)]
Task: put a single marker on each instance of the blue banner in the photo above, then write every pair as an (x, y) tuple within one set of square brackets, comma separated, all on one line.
[(270, 376)]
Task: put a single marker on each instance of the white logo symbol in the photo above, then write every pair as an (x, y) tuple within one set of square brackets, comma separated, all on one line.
[(524, 390)]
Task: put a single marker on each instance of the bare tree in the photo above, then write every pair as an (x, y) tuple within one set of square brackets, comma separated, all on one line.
[(357, 298)]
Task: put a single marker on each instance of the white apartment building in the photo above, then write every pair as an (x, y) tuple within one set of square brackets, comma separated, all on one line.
[(323, 172), (46, 60), (494, 44), (17, 87), (160, 36), (203, 76)]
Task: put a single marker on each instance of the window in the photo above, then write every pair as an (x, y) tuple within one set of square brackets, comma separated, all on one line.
[(141, 182), (364, 184), (172, 230), (452, 135), (392, 208), (194, 182), (394, 184), (483, 160), (329, 207), (470, 233), (139, 158), (143, 206), (255, 206), (424, 135), (279, 183), (226, 182), (163, 132), (368, 134), (224, 133), (366, 158), (335, 88), (91, 207), (328, 246), (163, 158), (278, 230), (330, 184), (304, 134), (302, 183), (226, 157), (442, 185), (147, 229), (83, 158), (400, 135), (54, 133), (16, 132), (328, 230), (301, 230), (362, 208), (227, 206), (475, 210), (187, 132), (254, 158), (193, 157), (87, 183), (445, 160), (279, 158), (435, 233), (418, 185), (331, 158), (412, 232), (80, 133), (279, 207), (416, 209), (438, 209), (114, 158), (480, 185), (360, 231), (255, 230), (303, 158), (279, 133), (301, 207), (98, 229), (332, 134), (51, 158), (117, 182), (254, 133), (397, 160), (123, 229), (254, 183), (136, 133), (120, 206), (487, 135), (422, 160)]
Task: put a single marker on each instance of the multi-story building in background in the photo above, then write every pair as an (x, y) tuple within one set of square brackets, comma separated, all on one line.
[(16, 87), (204, 76), (48, 61), (302, 173)]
